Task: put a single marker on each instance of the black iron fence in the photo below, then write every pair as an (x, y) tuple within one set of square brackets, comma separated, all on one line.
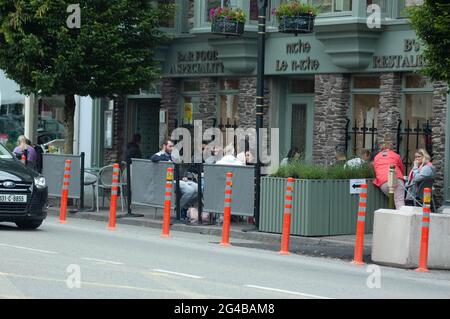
[(410, 137)]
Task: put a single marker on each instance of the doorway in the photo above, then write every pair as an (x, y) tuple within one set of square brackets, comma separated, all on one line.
[(299, 125), (145, 121)]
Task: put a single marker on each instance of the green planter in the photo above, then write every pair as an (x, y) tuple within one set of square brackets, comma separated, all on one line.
[(320, 207)]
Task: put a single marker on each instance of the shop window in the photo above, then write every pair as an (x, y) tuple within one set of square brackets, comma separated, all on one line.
[(366, 82), (415, 81), (191, 86), (301, 86), (418, 114), (365, 114)]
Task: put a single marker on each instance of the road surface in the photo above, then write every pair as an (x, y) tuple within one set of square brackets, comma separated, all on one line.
[(83, 259)]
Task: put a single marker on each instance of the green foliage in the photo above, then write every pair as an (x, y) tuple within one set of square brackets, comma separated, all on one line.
[(112, 53), (232, 14), (302, 170), (431, 22), (294, 8)]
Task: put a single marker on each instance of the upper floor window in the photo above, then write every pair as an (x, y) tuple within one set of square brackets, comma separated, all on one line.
[(330, 6), (381, 3), (403, 4), (254, 11), (168, 22)]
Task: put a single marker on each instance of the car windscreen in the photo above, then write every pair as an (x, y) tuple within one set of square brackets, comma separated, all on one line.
[(4, 153)]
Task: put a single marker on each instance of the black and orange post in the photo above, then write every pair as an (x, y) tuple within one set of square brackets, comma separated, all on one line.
[(114, 193), (167, 202), (65, 192), (423, 259), (360, 226), (287, 217), (227, 210)]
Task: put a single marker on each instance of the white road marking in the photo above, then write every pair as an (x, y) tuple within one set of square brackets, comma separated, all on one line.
[(30, 249), (287, 292), (177, 274), (102, 261)]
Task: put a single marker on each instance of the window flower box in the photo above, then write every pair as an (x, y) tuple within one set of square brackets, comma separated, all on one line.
[(227, 21), (296, 17)]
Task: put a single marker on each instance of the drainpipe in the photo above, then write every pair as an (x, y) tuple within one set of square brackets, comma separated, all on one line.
[(76, 129)]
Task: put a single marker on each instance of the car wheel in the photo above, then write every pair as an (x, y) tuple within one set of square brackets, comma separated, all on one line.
[(29, 224)]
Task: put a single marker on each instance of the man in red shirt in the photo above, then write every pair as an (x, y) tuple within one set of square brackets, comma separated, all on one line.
[(382, 164)]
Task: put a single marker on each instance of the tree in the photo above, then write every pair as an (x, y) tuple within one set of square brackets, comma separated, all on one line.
[(431, 21), (111, 52)]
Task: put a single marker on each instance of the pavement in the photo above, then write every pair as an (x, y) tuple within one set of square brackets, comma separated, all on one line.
[(83, 259)]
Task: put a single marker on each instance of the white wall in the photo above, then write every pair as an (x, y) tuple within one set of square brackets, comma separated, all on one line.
[(85, 129)]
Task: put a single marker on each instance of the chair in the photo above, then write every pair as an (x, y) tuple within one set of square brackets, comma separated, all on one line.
[(105, 183), (91, 179)]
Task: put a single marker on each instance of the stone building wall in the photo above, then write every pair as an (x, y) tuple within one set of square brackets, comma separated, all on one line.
[(389, 109), (438, 137), (332, 100)]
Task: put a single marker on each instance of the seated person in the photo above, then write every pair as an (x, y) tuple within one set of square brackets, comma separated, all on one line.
[(422, 171), (364, 158), (189, 189)]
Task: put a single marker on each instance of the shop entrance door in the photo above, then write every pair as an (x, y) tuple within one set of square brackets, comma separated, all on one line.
[(299, 125), (147, 124)]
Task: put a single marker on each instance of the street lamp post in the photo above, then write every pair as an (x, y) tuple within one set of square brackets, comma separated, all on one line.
[(262, 10)]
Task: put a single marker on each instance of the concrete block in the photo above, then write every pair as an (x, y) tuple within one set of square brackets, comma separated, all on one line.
[(396, 238)]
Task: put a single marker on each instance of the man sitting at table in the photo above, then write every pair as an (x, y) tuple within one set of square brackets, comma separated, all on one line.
[(189, 189)]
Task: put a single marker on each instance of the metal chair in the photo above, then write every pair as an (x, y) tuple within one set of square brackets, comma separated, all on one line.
[(105, 183), (91, 179)]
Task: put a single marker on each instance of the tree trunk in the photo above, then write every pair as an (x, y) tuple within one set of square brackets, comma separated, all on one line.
[(69, 113)]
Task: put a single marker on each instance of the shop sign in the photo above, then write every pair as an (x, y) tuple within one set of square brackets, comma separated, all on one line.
[(197, 62), (306, 64), (411, 58)]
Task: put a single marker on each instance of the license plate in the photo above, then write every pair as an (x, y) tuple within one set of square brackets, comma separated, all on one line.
[(13, 198)]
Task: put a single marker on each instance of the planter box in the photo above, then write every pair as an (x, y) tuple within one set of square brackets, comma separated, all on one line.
[(299, 24), (227, 27), (320, 207)]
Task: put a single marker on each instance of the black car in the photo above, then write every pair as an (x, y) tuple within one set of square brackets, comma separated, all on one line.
[(23, 193)]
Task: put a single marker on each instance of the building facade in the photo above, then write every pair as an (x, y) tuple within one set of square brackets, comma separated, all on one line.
[(352, 83)]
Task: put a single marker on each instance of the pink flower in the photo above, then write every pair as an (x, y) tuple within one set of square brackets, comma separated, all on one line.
[(212, 12)]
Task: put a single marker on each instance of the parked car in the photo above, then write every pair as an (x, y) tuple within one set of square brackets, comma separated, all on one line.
[(23, 193)]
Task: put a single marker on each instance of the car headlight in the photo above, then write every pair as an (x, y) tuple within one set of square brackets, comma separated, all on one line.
[(40, 182)]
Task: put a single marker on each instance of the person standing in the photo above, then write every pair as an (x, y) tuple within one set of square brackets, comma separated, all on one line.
[(292, 156), (23, 148), (382, 164), (133, 150)]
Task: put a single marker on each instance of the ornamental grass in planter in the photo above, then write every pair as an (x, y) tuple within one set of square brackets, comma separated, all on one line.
[(296, 17), (227, 21), (322, 204)]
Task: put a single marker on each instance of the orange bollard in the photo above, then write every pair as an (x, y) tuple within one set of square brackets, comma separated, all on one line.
[(287, 217), (167, 202), (227, 211), (65, 193), (113, 203), (423, 259), (361, 223)]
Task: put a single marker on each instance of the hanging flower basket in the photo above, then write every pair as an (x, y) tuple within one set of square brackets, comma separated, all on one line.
[(227, 21), (303, 23), (296, 17)]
